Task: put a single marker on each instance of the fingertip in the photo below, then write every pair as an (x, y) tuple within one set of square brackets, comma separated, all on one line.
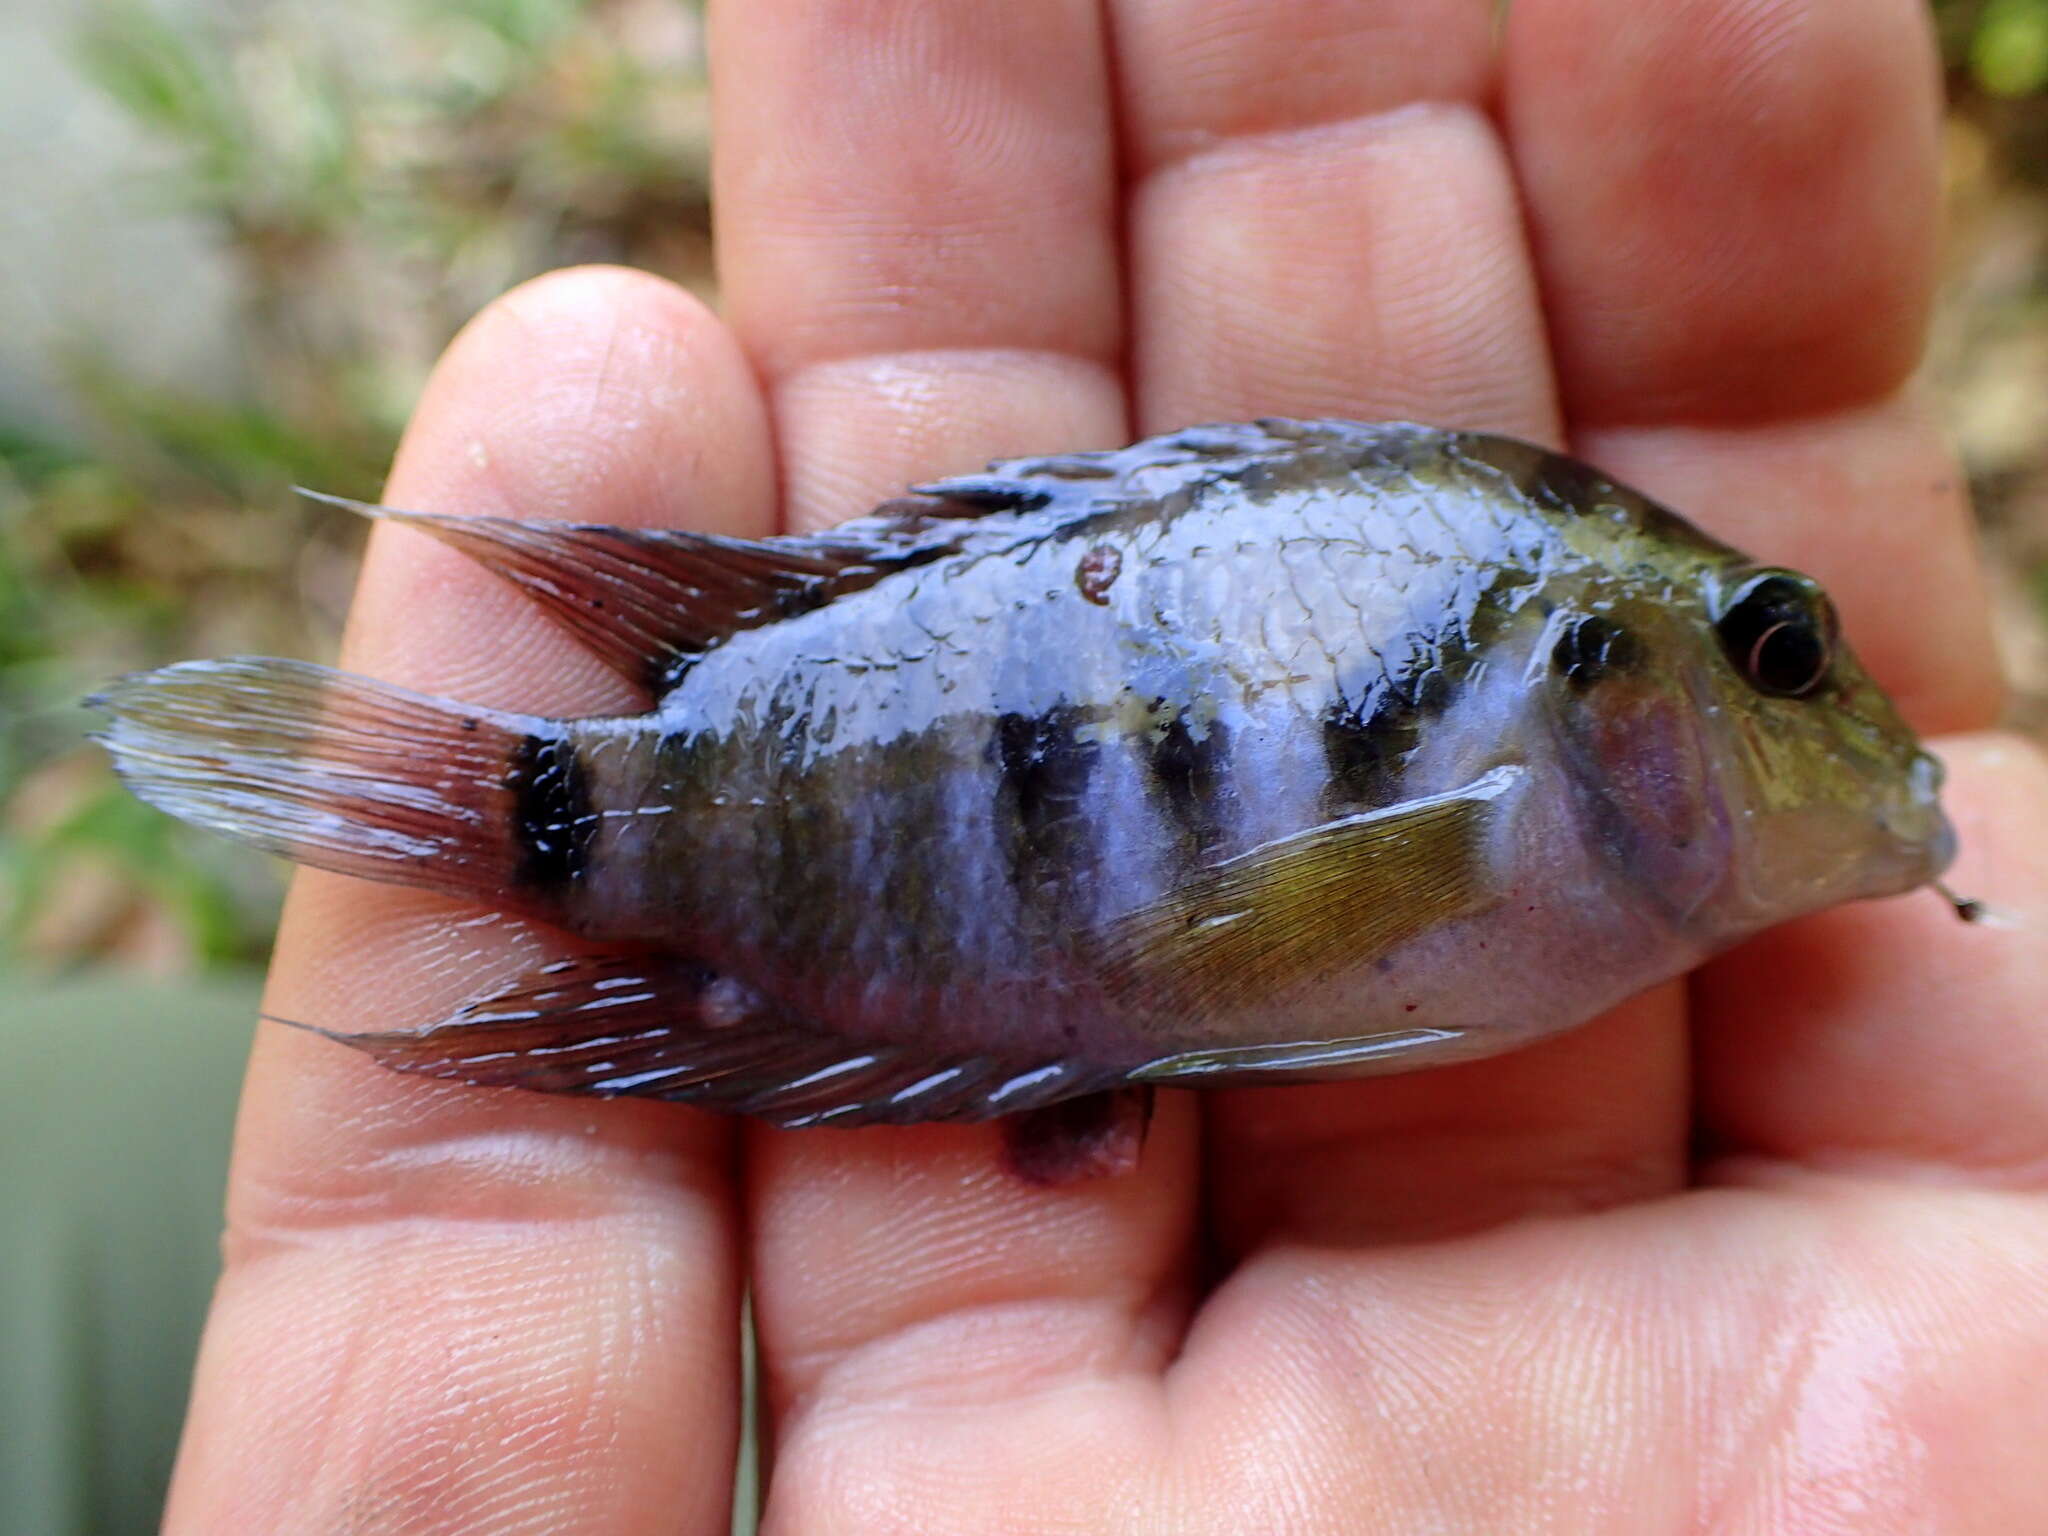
[(590, 394), (1733, 203), (1869, 501), (385, 1226)]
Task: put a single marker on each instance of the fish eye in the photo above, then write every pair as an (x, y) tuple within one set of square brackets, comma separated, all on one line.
[(1778, 629)]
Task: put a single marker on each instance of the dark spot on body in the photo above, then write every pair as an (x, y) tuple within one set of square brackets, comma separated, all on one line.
[(553, 820), (1188, 771), (1569, 484), (1593, 647), (1043, 768), (1364, 749), (1430, 690), (1409, 1007), (1097, 572)]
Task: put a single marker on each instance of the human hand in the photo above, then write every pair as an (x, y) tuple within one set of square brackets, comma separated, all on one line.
[(1765, 1252)]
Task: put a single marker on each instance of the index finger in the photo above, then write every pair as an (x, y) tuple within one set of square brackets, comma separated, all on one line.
[(447, 1308), (1734, 208)]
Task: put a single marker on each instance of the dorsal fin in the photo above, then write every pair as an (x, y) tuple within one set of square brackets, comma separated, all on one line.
[(649, 601)]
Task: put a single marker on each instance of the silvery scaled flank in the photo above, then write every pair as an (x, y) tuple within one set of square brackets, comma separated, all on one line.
[(1247, 754)]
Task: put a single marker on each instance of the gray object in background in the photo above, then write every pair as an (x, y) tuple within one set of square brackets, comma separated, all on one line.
[(120, 1099)]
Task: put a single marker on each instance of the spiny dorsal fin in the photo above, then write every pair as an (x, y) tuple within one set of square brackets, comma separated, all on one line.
[(648, 601), (1302, 907)]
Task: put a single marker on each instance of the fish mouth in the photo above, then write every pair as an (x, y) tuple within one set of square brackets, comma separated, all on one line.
[(1921, 827)]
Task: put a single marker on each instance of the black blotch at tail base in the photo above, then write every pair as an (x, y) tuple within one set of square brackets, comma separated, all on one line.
[(554, 821)]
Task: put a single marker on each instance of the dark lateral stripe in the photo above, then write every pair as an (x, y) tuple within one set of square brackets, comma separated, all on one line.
[(553, 820), (1188, 772), (1042, 773)]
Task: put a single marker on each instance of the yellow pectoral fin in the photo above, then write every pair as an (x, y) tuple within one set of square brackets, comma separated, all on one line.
[(1307, 1061), (1296, 910)]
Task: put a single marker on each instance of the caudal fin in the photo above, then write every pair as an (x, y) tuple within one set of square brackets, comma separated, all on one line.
[(352, 775)]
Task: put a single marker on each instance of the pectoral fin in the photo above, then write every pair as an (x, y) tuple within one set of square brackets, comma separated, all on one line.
[(1096, 1136), (1296, 910), (1307, 1061)]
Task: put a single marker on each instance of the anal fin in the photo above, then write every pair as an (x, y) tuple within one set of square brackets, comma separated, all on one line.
[(655, 1025)]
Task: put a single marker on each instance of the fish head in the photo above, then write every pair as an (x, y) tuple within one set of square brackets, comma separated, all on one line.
[(1835, 798), (1753, 771)]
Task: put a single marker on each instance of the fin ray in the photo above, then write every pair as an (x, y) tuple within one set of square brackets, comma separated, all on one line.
[(654, 1025), (1307, 1061), (330, 769), (648, 601), (1301, 907)]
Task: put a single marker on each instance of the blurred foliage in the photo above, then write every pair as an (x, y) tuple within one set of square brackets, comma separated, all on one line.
[(1988, 358), (373, 174), (2002, 43)]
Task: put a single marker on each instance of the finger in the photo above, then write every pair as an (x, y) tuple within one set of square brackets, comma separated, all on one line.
[(1322, 220), (1763, 1360), (445, 1308), (1345, 240), (918, 236), (1887, 1033), (1733, 205)]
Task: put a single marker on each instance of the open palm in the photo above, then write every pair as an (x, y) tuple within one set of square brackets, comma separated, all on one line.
[(1767, 1252)]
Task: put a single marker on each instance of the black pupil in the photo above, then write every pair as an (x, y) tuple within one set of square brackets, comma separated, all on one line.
[(1778, 633)]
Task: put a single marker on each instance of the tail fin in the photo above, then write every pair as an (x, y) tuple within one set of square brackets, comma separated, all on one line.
[(352, 775)]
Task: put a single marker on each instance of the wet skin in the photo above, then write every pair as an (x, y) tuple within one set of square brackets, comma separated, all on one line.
[(1768, 1251)]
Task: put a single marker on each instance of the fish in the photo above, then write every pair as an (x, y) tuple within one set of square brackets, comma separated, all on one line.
[(1253, 753)]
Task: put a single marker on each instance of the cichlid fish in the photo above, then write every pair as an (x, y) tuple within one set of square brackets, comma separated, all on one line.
[(1249, 754)]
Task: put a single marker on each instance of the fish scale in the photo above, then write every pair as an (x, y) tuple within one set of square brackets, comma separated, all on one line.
[(1258, 752)]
